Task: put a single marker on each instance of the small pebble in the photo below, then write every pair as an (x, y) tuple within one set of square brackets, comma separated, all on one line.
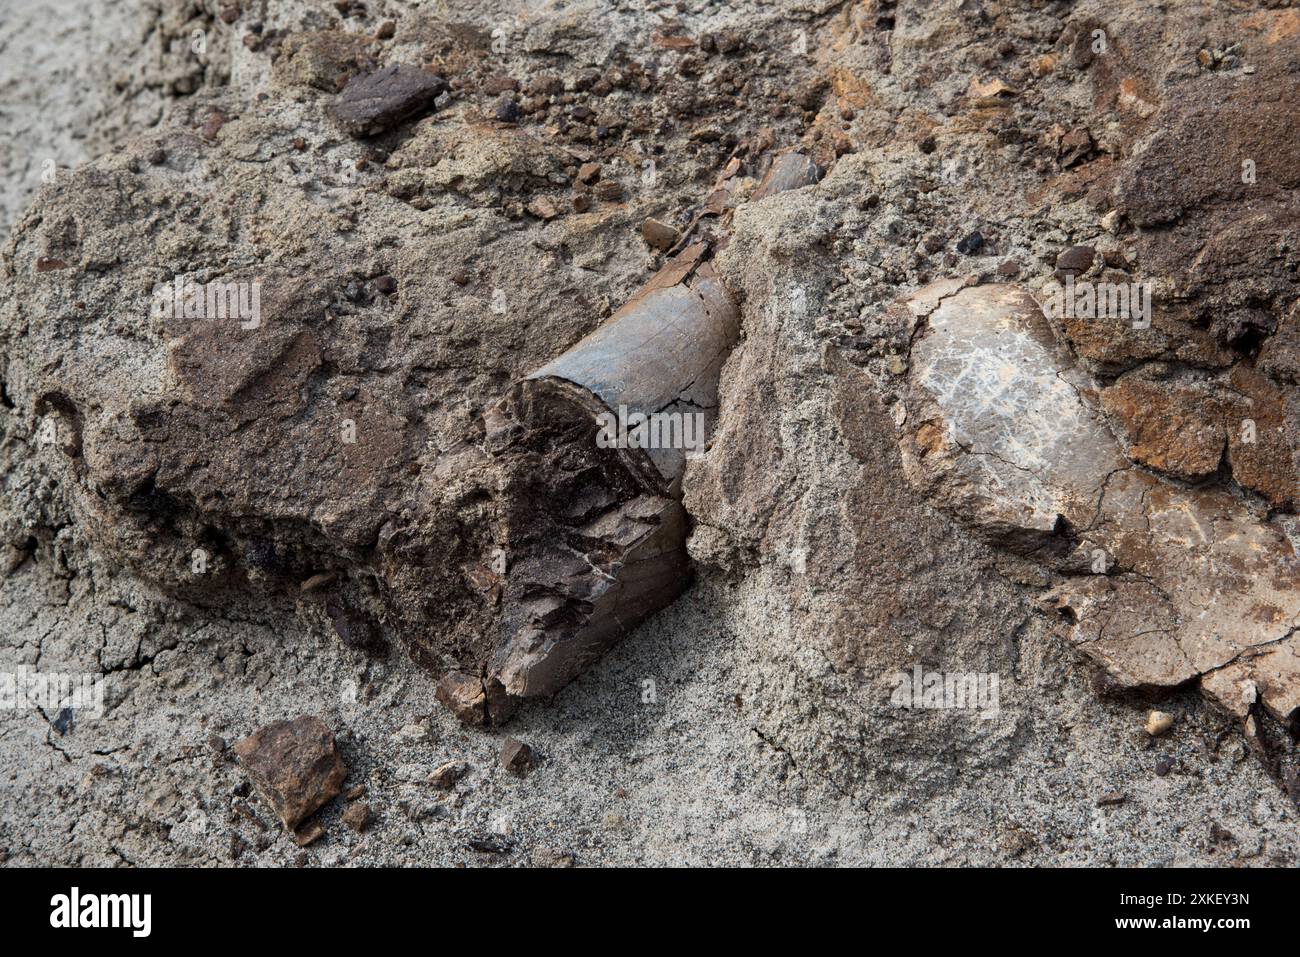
[(1158, 722), (357, 816)]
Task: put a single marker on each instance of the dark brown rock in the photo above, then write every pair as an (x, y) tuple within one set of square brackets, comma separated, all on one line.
[(295, 765), (517, 757), (381, 100), (1075, 261)]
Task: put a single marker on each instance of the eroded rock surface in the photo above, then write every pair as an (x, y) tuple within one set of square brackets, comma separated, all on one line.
[(1163, 584)]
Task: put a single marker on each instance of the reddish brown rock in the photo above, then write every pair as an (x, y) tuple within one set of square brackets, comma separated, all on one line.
[(445, 776), (1264, 437), (1173, 426), (463, 696), (295, 765), (358, 816), (659, 235)]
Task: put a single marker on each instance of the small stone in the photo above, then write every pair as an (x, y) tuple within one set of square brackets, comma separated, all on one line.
[(381, 100), (386, 284), (1111, 798), (158, 156), (463, 696), (1164, 766), (1110, 222), (551, 857), (517, 757), (229, 12), (543, 208), (490, 844), (49, 264), (295, 765), (1074, 147), (507, 110), (309, 834), (411, 734), (1158, 722), (213, 124), (659, 235), (352, 793), (1008, 269), (461, 277), (609, 189), (1074, 261), (299, 143), (499, 83), (316, 581), (581, 202), (445, 776), (386, 30), (358, 816), (972, 244), (588, 173)]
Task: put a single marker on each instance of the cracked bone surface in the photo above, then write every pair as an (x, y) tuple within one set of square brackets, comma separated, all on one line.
[(1161, 583), (593, 534)]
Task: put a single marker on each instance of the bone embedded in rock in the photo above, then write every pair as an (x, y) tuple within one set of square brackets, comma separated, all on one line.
[(788, 171), (590, 450), (659, 358)]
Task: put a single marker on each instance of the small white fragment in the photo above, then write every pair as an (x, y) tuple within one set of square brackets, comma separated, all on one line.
[(1158, 722)]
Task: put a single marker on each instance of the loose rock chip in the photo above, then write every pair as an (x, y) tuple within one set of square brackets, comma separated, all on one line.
[(378, 101), (295, 765)]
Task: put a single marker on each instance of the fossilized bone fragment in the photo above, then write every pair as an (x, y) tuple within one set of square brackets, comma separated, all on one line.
[(584, 458), (1160, 583), (788, 171)]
